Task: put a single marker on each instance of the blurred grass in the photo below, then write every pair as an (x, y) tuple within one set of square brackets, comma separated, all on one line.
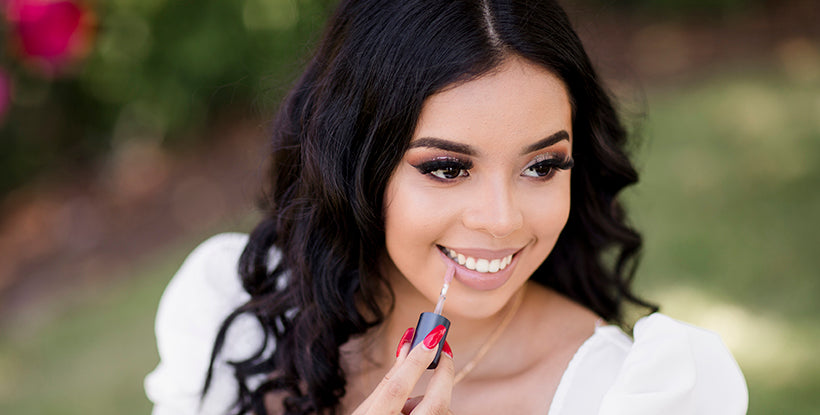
[(728, 204), (91, 358)]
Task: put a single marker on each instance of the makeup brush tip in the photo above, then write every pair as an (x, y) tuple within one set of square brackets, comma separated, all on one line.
[(451, 271)]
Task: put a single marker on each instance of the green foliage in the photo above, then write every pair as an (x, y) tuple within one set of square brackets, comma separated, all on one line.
[(157, 70)]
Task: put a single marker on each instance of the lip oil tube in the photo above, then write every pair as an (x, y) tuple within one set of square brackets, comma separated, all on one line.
[(429, 321)]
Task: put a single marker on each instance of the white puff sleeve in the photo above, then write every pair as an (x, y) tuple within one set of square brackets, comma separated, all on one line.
[(205, 290), (676, 369)]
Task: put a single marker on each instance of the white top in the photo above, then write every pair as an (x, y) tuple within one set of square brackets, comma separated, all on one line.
[(670, 368)]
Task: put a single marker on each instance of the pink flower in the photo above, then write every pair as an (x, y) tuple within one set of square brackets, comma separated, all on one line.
[(50, 32)]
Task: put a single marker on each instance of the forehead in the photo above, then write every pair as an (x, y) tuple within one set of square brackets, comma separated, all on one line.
[(518, 99)]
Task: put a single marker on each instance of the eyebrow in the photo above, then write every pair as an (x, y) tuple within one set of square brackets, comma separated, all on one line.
[(470, 151), (444, 145), (546, 142)]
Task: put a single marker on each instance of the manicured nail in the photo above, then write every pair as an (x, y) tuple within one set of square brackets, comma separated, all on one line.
[(434, 337), (446, 349), (406, 338)]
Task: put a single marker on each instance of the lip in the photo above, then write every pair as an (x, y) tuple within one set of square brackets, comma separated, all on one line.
[(479, 280)]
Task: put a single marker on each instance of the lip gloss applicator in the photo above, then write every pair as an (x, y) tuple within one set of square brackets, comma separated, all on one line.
[(429, 321)]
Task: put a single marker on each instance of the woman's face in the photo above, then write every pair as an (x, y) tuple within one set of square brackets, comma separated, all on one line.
[(485, 184)]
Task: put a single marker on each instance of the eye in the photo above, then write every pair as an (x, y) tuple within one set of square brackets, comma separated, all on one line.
[(446, 169), (449, 172), (544, 169), (541, 169)]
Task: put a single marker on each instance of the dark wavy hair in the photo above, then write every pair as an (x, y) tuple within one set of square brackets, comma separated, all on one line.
[(337, 138)]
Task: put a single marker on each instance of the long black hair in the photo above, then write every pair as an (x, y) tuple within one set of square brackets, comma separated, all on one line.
[(337, 138)]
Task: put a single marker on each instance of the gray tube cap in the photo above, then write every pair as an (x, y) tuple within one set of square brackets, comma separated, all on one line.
[(428, 322)]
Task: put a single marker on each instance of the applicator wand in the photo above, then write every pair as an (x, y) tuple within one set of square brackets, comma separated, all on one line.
[(429, 321)]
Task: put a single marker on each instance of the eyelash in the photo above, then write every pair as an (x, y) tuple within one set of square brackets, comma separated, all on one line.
[(559, 162), (429, 168), (452, 169)]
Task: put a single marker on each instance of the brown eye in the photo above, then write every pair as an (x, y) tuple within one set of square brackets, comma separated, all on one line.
[(445, 169), (539, 170), (545, 169), (449, 173)]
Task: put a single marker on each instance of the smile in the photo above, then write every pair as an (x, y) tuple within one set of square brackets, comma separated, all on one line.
[(483, 265)]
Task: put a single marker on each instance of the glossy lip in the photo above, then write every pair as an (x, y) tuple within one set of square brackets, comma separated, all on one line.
[(478, 280)]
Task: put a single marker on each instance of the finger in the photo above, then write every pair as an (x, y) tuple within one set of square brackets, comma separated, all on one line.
[(440, 389), (393, 391), (404, 343), (402, 350), (411, 404)]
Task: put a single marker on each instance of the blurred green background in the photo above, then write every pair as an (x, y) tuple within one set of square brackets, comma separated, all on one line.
[(147, 134)]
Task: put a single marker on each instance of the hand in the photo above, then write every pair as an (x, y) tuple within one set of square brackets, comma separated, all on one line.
[(392, 393)]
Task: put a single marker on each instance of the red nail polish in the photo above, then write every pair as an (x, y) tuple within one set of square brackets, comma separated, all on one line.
[(405, 338), (446, 349), (432, 339)]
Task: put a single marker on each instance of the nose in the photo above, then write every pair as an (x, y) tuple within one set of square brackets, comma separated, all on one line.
[(494, 210)]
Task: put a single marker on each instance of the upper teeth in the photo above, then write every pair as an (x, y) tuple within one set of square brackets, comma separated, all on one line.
[(479, 264)]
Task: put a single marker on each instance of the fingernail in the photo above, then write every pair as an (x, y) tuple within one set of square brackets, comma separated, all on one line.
[(434, 337), (406, 338), (446, 349)]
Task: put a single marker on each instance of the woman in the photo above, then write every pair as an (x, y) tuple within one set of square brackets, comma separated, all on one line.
[(425, 135)]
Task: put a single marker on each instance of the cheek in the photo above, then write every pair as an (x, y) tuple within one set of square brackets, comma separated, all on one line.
[(411, 219), (547, 212), (412, 225), (412, 210)]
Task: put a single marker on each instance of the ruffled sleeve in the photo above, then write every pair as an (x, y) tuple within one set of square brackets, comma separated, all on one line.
[(205, 290), (674, 369)]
